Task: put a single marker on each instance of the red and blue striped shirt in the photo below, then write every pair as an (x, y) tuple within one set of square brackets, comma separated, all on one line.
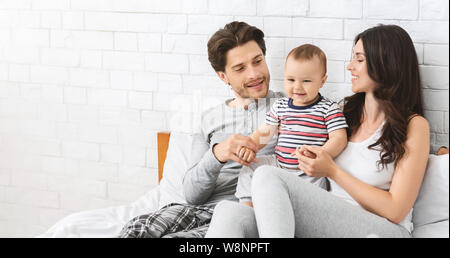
[(300, 125)]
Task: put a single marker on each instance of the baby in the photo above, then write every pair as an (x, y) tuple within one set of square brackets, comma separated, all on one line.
[(304, 117)]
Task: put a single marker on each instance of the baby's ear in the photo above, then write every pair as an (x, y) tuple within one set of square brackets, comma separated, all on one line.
[(324, 79)]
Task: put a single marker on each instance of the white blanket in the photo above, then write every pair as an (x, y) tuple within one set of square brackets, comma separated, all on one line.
[(105, 222), (108, 222)]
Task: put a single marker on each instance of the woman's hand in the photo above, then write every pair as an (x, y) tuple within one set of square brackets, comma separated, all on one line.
[(315, 162)]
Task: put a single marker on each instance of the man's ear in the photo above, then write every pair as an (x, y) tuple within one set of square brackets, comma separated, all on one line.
[(223, 77)]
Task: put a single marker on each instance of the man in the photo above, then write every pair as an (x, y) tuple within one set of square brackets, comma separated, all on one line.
[(237, 54)]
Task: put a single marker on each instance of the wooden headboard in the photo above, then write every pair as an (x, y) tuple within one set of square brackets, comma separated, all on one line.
[(163, 145)]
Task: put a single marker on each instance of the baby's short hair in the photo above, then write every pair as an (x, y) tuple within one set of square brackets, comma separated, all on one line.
[(307, 52)]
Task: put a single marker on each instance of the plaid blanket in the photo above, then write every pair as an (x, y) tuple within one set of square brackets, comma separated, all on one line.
[(171, 221)]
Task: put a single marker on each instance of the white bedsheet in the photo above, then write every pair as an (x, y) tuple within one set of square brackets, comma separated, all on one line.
[(106, 222)]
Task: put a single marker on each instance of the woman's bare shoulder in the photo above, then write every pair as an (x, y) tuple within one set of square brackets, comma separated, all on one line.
[(418, 132), (418, 122)]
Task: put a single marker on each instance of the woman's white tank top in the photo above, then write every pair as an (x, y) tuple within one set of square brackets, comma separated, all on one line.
[(361, 162)]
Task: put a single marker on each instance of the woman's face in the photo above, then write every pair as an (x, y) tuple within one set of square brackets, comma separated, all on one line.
[(361, 81)]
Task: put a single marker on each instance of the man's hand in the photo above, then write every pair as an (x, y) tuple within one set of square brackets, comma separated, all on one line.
[(229, 149)]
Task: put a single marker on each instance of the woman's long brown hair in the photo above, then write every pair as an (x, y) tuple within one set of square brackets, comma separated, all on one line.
[(392, 64)]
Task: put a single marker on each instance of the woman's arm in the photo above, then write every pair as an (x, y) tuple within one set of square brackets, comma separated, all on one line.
[(411, 168), (394, 204)]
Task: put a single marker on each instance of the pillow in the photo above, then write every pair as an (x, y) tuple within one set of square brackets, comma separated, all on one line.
[(432, 202), (171, 185), (433, 230)]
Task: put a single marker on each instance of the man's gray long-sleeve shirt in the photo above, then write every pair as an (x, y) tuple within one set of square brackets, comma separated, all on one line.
[(207, 180)]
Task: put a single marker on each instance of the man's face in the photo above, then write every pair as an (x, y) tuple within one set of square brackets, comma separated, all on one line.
[(246, 71)]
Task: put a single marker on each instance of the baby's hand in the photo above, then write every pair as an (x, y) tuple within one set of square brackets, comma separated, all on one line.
[(247, 155), (302, 151)]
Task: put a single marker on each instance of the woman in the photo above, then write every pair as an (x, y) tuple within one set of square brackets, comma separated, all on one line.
[(375, 180)]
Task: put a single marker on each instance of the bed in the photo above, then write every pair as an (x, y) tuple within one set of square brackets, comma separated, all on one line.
[(430, 213)]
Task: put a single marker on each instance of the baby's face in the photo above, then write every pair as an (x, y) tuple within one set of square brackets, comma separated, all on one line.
[(303, 79)]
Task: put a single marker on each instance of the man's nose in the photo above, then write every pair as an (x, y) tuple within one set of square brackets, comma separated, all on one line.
[(252, 72)]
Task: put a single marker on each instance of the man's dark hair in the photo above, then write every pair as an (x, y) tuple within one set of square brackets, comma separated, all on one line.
[(232, 35)]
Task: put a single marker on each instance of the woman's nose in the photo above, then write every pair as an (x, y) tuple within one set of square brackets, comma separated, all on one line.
[(349, 66)]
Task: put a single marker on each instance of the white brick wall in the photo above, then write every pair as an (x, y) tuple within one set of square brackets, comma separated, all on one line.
[(86, 84)]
